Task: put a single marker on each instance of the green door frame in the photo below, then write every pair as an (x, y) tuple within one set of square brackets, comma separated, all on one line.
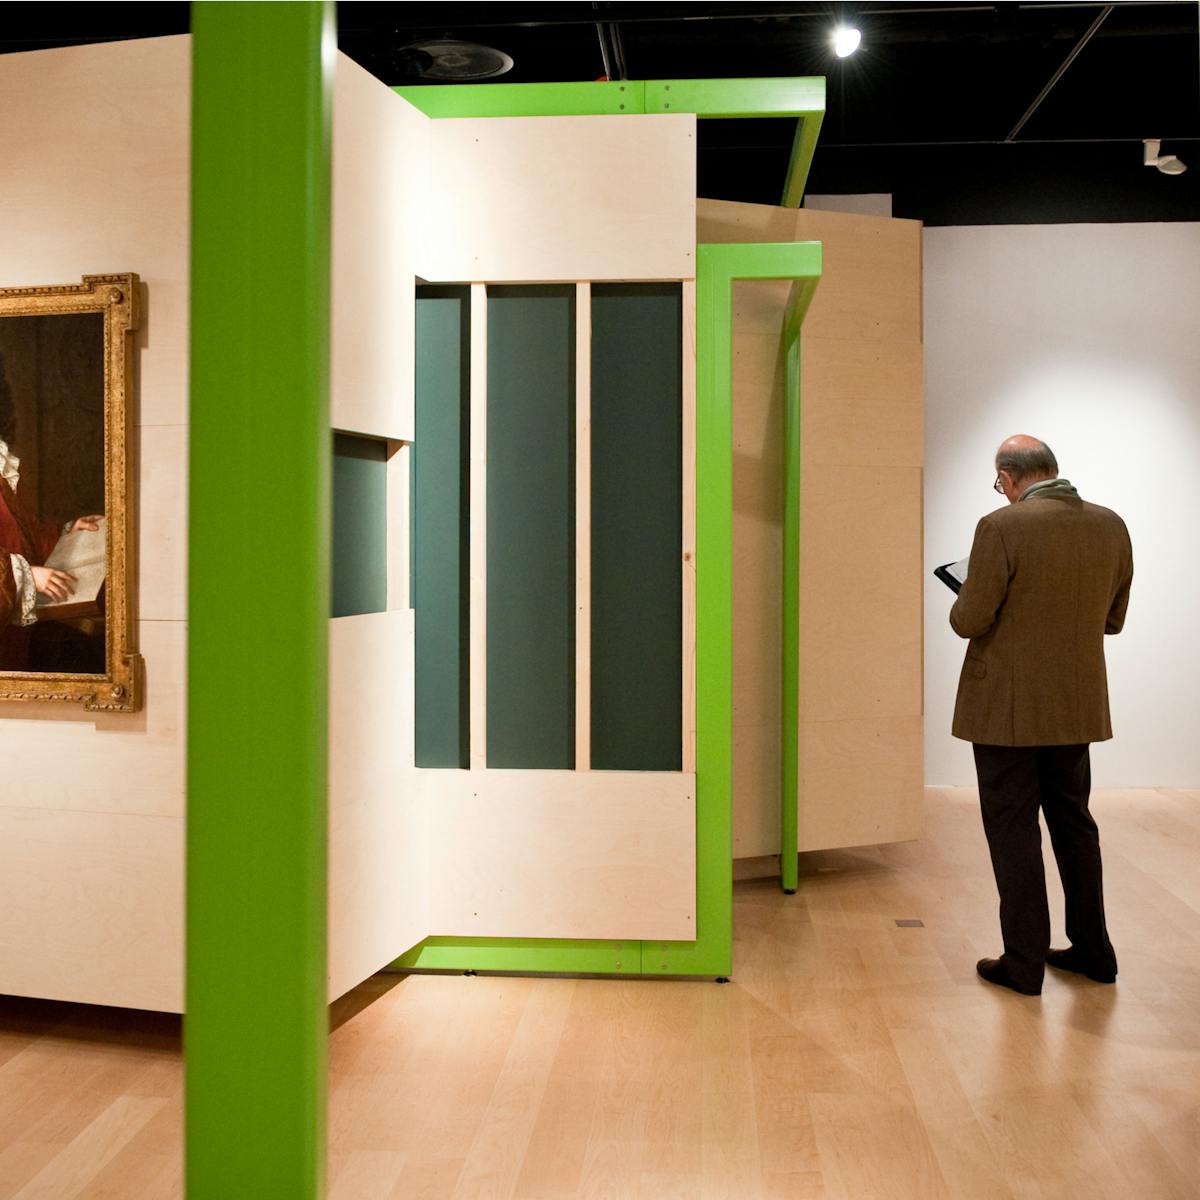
[(256, 1023), (717, 268), (804, 99)]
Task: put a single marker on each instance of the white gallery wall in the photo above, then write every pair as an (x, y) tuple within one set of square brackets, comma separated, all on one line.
[(1087, 336), (94, 162)]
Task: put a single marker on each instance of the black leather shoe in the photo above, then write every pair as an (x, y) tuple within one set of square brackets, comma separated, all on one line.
[(1071, 960), (994, 971)]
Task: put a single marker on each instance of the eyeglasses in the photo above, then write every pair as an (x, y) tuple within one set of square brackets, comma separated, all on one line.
[(998, 485)]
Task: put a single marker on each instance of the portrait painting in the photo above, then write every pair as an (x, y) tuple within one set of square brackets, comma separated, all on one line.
[(65, 603)]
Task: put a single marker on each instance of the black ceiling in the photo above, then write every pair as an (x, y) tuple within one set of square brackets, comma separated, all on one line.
[(925, 110)]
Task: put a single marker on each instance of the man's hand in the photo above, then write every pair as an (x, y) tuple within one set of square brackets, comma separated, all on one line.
[(58, 585), (92, 524)]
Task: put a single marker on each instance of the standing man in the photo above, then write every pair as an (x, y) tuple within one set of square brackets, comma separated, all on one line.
[(1048, 577)]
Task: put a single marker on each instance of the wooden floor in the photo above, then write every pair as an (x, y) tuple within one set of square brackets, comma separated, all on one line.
[(849, 1058)]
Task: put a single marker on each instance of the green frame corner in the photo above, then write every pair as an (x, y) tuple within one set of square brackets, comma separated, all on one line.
[(256, 1022), (799, 96)]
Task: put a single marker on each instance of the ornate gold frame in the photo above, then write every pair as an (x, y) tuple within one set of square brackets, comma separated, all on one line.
[(120, 689)]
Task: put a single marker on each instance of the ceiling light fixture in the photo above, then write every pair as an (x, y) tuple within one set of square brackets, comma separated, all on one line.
[(1168, 164), (845, 41)]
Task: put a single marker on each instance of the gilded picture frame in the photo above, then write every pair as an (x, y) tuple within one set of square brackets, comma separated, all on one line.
[(66, 403)]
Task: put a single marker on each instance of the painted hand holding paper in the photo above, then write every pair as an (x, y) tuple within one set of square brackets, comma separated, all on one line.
[(82, 554)]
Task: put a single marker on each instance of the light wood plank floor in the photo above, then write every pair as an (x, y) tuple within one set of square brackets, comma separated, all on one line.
[(849, 1058)]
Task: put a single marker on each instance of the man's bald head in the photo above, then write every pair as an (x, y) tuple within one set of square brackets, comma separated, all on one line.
[(1026, 460)]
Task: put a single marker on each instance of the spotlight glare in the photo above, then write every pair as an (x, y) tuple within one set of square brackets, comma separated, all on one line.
[(845, 41)]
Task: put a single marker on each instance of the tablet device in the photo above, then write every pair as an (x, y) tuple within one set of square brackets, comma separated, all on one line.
[(954, 575)]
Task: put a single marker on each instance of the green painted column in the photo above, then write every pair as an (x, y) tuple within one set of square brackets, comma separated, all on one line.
[(789, 865), (258, 601)]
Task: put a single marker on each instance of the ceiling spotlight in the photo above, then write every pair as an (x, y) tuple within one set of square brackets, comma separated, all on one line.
[(845, 41), (1168, 164)]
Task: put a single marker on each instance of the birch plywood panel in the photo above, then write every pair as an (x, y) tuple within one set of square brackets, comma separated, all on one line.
[(57, 756), (563, 198), (377, 829), (91, 829), (93, 907), (97, 181), (860, 593), (380, 177), (561, 854), (756, 774), (162, 456), (730, 221), (860, 402), (861, 447), (860, 782), (871, 280)]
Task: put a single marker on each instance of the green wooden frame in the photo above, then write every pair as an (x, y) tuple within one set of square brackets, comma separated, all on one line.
[(256, 1023), (789, 794), (717, 268), (799, 97)]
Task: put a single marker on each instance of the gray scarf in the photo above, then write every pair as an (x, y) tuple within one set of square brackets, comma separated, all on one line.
[(1050, 488)]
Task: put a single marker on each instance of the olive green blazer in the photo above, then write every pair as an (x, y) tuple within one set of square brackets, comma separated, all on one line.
[(1048, 578)]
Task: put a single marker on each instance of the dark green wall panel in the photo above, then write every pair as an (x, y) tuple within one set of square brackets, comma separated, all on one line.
[(637, 527), (359, 525), (531, 527), (440, 480)]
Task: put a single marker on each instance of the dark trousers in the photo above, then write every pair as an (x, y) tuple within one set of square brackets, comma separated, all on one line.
[(1014, 782)]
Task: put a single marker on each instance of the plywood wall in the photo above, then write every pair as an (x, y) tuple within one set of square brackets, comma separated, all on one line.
[(377, 835), (94, 161), (860, 728), (542, 199)]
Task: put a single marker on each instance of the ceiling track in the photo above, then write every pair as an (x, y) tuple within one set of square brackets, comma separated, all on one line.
[(1075, 51), (746, 13)]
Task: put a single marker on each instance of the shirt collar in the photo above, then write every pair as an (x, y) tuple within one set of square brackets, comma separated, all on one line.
[(10, 465)]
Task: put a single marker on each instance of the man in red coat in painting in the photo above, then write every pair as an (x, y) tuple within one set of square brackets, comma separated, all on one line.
[(26, 541)]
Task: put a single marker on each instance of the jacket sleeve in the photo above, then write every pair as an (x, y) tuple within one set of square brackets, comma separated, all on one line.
[(984, 592), (1120, 600)]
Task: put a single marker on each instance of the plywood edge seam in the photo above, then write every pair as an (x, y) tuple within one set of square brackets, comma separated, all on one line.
[(478, 527), (583, 526)]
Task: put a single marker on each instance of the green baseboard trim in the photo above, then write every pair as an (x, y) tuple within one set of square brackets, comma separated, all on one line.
[(565, 956), (557, 956)]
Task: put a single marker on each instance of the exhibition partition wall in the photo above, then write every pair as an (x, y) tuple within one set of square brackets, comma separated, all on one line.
[(97, 861), (95, 181), (621, 853), (848, 755)]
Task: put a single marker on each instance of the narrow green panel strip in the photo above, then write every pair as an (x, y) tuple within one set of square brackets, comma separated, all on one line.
[(441, 587), (527, 99), (787, 96), (568, 957), (256, 1025), (790, 707), (637, 480), (531, 527), (359, 525)]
